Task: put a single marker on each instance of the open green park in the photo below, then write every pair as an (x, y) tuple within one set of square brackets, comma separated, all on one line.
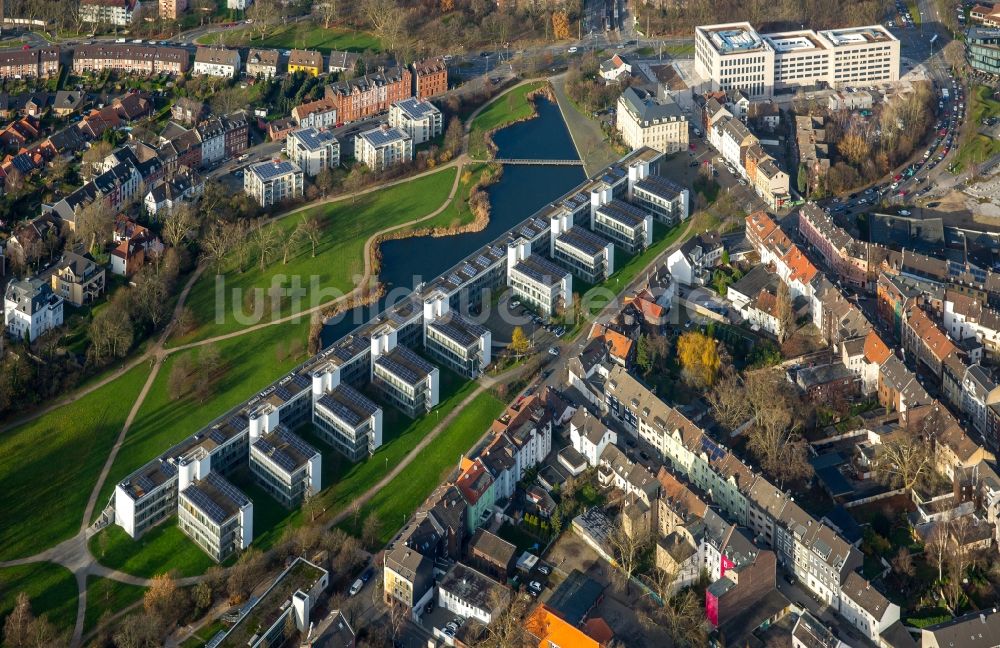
[(976, 148), (299, 35), (339, 260), (104, 595), (507, 108), (51, 588)]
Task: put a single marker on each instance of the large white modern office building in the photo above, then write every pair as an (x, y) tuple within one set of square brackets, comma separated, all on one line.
[(734, 56)]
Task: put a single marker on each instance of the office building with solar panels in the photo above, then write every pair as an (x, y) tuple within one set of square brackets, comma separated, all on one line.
[(216, 515), (272, 181), (287, 467), (629, 226), (451, 339), (406, 380), (348, 421), (383, 147), (585, 254), (420, 119), (535, 280)]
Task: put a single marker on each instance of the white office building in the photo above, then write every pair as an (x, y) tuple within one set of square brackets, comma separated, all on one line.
[(644, 120), (629, 226), (343, 417), (287, 467), (216, 515), (538, 282), (272, 181), (669, 202), (734, 56), (313, 150), (420, 119), (405, 379), (585, 254), (383, 147), (451, 339), (31, 309)]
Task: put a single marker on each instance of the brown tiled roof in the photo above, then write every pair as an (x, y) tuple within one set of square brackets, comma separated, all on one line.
[(876, 351)]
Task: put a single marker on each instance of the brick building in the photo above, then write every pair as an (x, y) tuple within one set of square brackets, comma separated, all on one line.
[(430, 78), (371, 94)]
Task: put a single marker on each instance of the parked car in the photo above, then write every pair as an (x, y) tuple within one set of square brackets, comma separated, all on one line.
[(553, 351), (356, 587), (545, 569), (535, 585)]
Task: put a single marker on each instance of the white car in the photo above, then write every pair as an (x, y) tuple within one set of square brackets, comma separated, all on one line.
[(356, 587), (572, 50), (554, 351)]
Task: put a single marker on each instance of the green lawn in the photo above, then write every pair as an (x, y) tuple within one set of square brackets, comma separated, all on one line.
[(50, 466), (506, 109), (339, 259), (977, 148), (204, 635), (104, 594), (297, 36), (680, 49), (51, 588), (397, 502), (458, 213), (161, 422), (914, 12), (161, 550)]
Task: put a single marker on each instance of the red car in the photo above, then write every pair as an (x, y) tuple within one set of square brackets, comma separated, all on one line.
[(26, 47), (897, 178)]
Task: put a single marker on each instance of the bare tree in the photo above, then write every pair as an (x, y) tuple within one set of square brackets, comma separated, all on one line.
[(507, 627), (265, 15), (290, 243), (936, 548), (312, 230), (328, 11), (387, 19), (728, 400), (94, 223), (137, 631), (772, 437), (628, 550), (902, 461), (180, 225), (215, 244), (110, 335), (680, 615), (785, 314), (370, 530), (267, 238), (17, 626)]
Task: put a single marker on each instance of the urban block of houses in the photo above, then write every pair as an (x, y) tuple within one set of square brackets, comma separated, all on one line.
[(216, 61), (22, 63), (321, 113), (742, 150), (430, 78), (128, 58), (370, 94), (262, 63)]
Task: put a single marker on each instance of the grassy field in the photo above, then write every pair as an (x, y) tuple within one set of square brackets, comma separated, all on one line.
[(679, 50), (506, 109), (204, 635), (297, 36), (458, 213), (161, 422), (51, 588), (339, 259), (104, 594), (977, 148), (395, 503), (162, 550), (51, 465)]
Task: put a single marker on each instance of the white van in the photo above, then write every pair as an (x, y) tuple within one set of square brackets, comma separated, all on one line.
[(356, 587)]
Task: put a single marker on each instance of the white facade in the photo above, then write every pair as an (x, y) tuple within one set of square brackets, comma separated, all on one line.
[(537, 281), (216, 62), (591, 446), (31, 309), (420, 119), (643, 121), (271, 182), (313, 150), (383, 147), (119, 14)]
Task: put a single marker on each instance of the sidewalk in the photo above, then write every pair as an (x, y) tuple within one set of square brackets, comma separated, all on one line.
[(588, 138)]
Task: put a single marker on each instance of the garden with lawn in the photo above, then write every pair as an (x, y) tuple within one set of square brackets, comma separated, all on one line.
[(49, 466), (106, 595), (51, 589), (504, 110), (394, 504), (163, 549), (975, 147), (339, 261), (251, 363), (299, 35)]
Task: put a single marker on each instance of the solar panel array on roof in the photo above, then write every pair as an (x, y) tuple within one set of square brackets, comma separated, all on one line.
[(415, 108), (384, 136), (405, 364), (144, 483), (458, 329), (660, 186), (205, 504), (623, 212), (349, 405), (313, 139), (713, 451), (271, 169), (285, 449), (541, 270), (235, 495), (583, 240)]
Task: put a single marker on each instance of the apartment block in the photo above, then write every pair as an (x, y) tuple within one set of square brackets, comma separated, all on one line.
[(982, 49), (408, 577), (370, 94), (430, 78), (582, 252), (313, 150), (735, 57), (216, 61), (405, 379), (341, 61), (271, 182), (627, 225), (643, 120), (537, 281), (129, 58), (172, 9), (29, 63), (287, 467), (321, 113), (383, 147), (420, 119), (31, 309), (348, 421), (216, 515), (119, 13), (668, 201), (454, 341), (471, 594)]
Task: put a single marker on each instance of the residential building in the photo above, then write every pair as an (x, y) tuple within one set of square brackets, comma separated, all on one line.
[(478, 488), (408, 577), (585, 254), (548, 627), (67, 102), (29, 63), (493, 555), (240, 5), (182, 188), (370, 94), (346, 419), (237, 130), (316, 114), (643, 120), (186, 110), (308, 61), (418, 118), (172, 9), (119, 13), (343, 61), (866, 607), (734, 56), (471, 594), (78, 279), (31, 309), (383, 147), (810, 632), (215, 515), (262, 63), (289, 602), (590, 436), (128, 58), (285, 466), (212, 134), (271, 182), (216, 61), (669, 202), (616, 68), (135, 245), (628, 226), (313, 150), (692, 263), (537, 281), (430, 78), (924, 340), (405, 379), (973, 629)]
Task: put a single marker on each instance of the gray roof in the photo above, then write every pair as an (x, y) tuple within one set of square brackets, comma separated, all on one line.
[(312, 139), (381, 136), (974, 630), (623, 212), (31, 295), (583, 240), (348, 404), (270, 169), (285, 449), (647, 109), (865, 595), (458, 329), (416, 108), (215, 497), (541, 270), (405, 364), (470, 586), (660, 186)]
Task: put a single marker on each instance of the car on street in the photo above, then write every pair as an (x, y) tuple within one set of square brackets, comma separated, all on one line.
[(554, 351), (535, 585), (545, 569), (572, 50), (356, 587)]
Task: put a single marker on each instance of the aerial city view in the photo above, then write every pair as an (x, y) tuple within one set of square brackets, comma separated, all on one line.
[(547, 324)]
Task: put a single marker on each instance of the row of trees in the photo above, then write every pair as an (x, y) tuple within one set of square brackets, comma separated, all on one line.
[(668, 17)]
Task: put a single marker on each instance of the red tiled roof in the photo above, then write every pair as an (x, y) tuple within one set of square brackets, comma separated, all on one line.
[(876, 351)]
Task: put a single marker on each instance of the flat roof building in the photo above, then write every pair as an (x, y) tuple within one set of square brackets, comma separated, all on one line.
[(458, 343), (629, 226), (287, 467), (313, 150), (216, 515), (273, 181), (419, 118), (536, 280), (408, 381), (349, 421), (383, 147), (669, 202)]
